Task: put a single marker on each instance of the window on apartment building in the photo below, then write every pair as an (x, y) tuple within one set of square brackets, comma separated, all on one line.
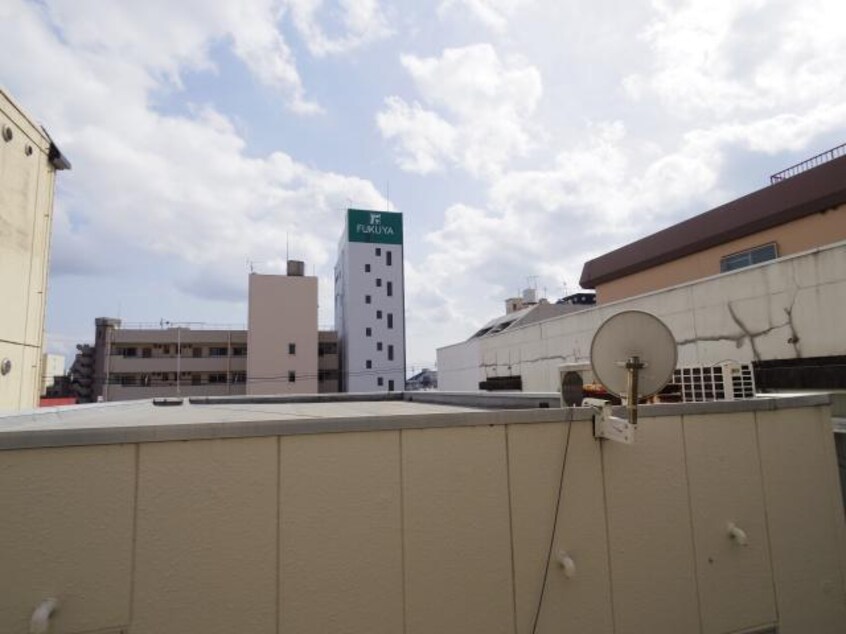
[(292, 376), (749, 257), (196, 379), (390, 352), (379, 346), (368, 365), (238, 377), (130, 352), (390, 320), (378, 314), (368, 332), (388, 258), (367, 268), (198, 351), (218, 352), (390, 289), (146, 380), (146, 352), (219, 377), (380, 382), (165, 349), (367, 299), (239, 351), (390, 385), (128, 379), (378, 252), (378, 281), (292, 348)]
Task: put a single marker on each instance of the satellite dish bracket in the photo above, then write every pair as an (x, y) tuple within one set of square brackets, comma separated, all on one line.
[(608, 426)]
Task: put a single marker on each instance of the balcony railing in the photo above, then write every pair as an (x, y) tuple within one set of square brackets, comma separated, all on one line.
[(808, 164)]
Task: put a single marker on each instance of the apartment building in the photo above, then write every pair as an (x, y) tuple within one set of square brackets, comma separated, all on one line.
[(370, 302), (29, 161), (281, 352)]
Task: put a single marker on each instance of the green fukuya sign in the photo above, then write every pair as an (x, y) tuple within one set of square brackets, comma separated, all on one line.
[(384, 227)]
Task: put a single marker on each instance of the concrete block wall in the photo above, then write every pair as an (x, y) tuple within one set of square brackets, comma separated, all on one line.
[(436, 529)]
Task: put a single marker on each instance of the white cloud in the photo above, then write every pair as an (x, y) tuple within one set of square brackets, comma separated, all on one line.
[(485, 107), (364, 22), (494, 14), (181, 187)]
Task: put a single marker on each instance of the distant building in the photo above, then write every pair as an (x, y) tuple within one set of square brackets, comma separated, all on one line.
[(52, 365), (803, 208), (282, 333), (281, 352), (370, 302), (426, 379), (760, 282), (29, 161)]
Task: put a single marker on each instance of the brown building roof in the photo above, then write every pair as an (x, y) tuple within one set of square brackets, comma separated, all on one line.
[(816, 190)]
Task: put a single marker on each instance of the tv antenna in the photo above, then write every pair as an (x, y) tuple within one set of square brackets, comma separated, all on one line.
[(633, 355)]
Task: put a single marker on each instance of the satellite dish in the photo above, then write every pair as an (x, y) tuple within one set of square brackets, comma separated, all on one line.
[(639, 338)]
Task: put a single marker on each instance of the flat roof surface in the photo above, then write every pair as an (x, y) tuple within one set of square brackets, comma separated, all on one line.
[(160, 420)]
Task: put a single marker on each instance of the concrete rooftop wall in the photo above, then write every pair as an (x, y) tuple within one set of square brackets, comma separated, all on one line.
[(787, 309), (455, 528)]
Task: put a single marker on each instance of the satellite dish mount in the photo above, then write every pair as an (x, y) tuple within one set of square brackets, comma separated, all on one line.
[(633, 355)]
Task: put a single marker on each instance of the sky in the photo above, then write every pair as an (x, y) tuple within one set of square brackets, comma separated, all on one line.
[(519, 138)]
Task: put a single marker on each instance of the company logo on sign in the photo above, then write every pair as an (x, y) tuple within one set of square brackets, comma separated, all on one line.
[(375, 226)]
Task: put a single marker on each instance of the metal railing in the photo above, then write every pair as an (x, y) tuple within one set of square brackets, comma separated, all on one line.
[(810, 163)]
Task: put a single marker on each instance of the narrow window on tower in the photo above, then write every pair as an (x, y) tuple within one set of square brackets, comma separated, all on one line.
[(390, 385), (388, 258), (368, 332), (292, 348), (378, 281), (390, 289), (379, 382), (378, 252), (379, 346), (292, 376), (378, 314), (367, 268), (390, 320), (367, 299), (390, 352), (368, 364)]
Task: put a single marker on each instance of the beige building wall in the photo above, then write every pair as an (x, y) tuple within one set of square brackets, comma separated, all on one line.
[(26, 215), (793, 237), (282, 313), (455, 523)]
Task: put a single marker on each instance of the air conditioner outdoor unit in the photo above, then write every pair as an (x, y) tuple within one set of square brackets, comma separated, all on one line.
[(726, 381)]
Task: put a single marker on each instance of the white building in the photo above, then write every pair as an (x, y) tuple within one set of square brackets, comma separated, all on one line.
[(370, 302)]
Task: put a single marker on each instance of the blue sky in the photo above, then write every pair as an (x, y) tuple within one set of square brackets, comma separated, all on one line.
[(519, 137)]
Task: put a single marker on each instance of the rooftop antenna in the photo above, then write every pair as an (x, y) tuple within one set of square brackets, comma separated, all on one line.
[(633, 355), (287, 247), (251, 265)]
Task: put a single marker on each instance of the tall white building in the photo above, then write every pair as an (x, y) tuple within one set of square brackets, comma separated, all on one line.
[(370, 302)]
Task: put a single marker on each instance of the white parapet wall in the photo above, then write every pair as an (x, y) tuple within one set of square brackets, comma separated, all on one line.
[(786, 309), (395, 516)]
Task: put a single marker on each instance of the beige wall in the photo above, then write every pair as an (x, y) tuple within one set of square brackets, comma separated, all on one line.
[(442, 530), (794, 237), (282, 310), (26, 214)]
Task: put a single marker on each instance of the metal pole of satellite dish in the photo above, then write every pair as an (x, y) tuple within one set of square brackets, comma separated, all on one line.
[(633, 365)]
